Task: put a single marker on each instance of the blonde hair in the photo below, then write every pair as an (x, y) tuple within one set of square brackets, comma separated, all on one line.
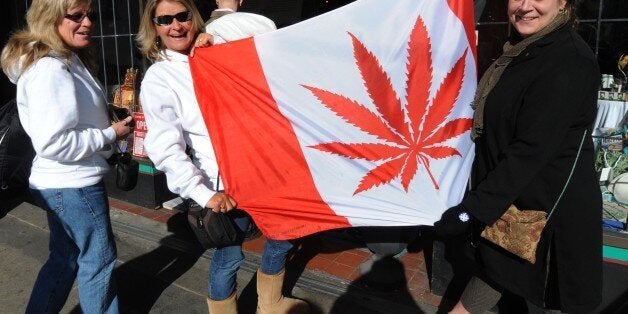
[(41, 36), (148, 40)]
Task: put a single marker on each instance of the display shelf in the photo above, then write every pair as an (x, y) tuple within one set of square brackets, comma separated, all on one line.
[(615, 248), (146, 166), (618, 239)]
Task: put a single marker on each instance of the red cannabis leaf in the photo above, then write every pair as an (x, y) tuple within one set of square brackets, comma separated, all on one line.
[(406, 144)]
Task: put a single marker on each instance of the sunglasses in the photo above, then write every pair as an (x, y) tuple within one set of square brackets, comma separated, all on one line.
[(164, 20), (79, 17)]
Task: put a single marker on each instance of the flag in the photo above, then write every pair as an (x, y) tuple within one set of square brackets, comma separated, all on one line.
[(358, 117)]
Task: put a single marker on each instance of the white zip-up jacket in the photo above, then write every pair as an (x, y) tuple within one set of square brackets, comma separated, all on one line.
[(174, 119), (64, 111)]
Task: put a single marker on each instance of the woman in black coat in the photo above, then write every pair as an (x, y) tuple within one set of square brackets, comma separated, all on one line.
[(533, 107)]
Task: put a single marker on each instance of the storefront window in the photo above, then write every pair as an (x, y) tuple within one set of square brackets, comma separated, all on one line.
[(114, 36), (612, 43), (490, 12), (603, 25), (492, 29), (588, 9), (491, 38), (614, 9)]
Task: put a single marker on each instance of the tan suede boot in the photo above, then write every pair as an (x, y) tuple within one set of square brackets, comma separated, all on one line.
[(226, 306), (270, 300)]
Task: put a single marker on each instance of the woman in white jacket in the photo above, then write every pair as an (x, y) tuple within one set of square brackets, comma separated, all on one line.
[(63, 109), (168, 32)]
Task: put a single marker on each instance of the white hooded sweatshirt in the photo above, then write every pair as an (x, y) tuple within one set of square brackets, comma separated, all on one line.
[(64, 111)]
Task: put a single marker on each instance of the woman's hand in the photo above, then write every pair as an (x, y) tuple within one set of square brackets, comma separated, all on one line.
[(122, 128), (220, 203), (202, 40)]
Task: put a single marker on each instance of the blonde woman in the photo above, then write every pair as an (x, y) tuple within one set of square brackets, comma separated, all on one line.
[(169, 31), (63, 109)]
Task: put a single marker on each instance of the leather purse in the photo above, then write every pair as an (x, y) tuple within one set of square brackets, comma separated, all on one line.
[(519, 231)]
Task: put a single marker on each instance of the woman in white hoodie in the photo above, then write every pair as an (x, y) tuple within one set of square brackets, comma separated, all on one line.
[(168, 31), (63, 109)]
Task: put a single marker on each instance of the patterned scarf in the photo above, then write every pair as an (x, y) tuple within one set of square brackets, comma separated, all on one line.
[(495, 71)]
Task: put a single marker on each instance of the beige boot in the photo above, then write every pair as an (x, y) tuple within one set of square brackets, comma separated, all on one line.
[(226, 306), (270, 300)]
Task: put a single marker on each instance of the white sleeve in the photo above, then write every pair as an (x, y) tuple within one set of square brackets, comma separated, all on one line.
[(164, 140), (53, 115)]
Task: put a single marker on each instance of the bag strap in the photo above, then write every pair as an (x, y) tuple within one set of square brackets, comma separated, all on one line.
[(570, 174)]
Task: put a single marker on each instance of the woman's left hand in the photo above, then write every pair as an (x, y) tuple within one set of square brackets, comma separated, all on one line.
[(454, 221), (202, 40)]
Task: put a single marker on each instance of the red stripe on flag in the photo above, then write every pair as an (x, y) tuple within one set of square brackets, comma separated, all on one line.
[(463, 9), (254, 142)]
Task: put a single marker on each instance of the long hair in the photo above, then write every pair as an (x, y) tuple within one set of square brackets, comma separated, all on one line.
[(148, 41), (573, 6), (40, 37)]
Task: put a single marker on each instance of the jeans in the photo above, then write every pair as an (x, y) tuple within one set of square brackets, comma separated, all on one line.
[(227, 260), (81, 246)]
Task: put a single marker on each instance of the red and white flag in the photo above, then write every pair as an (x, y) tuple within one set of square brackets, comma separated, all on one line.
[(358, 117)]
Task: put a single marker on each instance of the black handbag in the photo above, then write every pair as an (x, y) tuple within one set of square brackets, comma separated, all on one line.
[(211, 229), (16, 153), (127, 170)]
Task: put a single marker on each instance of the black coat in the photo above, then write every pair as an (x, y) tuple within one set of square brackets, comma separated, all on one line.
[(534, 121)]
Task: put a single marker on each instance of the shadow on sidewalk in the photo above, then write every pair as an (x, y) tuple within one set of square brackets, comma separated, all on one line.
[(360, 290), (363, 294), (8, 201), (142, 280)]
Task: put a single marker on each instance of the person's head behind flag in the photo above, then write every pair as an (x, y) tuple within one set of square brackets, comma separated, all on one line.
[(229, 4), (240, 25)]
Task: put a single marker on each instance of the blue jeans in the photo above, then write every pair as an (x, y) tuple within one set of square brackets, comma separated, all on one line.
[(227, 260), (81, 246)]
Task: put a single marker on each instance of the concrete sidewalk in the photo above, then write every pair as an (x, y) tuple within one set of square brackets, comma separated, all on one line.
[(162, 270)]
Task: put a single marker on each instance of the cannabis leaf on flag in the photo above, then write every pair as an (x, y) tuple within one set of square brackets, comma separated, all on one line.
[(404, 145)]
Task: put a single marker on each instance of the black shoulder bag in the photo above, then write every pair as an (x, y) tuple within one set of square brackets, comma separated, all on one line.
[(211, 229)]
